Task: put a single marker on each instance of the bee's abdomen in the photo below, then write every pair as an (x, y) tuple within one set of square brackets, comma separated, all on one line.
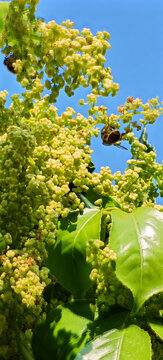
[(8, 61), (114, 136)]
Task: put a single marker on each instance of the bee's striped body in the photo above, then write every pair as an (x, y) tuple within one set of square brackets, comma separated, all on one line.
[(110, 137), (9, 61)]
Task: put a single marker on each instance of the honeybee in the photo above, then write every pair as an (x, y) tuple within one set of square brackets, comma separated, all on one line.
[(111, 137), (9, 61)]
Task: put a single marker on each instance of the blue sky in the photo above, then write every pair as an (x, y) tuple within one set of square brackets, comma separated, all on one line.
[(136, 59)]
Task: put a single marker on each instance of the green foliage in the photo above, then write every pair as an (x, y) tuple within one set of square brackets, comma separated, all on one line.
[(138, 247), (119, 344), (157, 328), (66, 231), (137, 238), (93, 198), (67, 258), (66, 329), (3, 11)]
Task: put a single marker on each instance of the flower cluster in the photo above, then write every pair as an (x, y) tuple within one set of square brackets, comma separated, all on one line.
[(43, 157), (102, 182), (44, 164), (21, 287), (109, 290), (69, 58)]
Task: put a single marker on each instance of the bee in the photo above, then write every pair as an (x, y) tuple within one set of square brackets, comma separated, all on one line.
[(9, 61), (111, 137)]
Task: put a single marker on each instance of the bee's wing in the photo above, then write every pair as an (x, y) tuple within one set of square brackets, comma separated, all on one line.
[(120, 146)]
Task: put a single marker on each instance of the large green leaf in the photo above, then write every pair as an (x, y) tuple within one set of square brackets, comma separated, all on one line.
[(63, 333), (137, 239), (131, 343), (157, 328), (67, 258), (3, 11)]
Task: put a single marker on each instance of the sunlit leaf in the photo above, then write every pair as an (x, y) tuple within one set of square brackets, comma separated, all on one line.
[(131, 343), (137, 239), (67, 258), (3, 11), (63, 333), (157, 328)]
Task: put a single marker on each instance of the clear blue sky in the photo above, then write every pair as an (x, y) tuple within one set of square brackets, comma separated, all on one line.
[(136, 59)]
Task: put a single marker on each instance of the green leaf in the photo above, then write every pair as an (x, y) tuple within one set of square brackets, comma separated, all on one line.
[(63, 333), (137, 239), (91, 167), (3, 11), (107, 201), (67, 258), (25, 353), (131, 343), (86, 201), (157, 328)]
